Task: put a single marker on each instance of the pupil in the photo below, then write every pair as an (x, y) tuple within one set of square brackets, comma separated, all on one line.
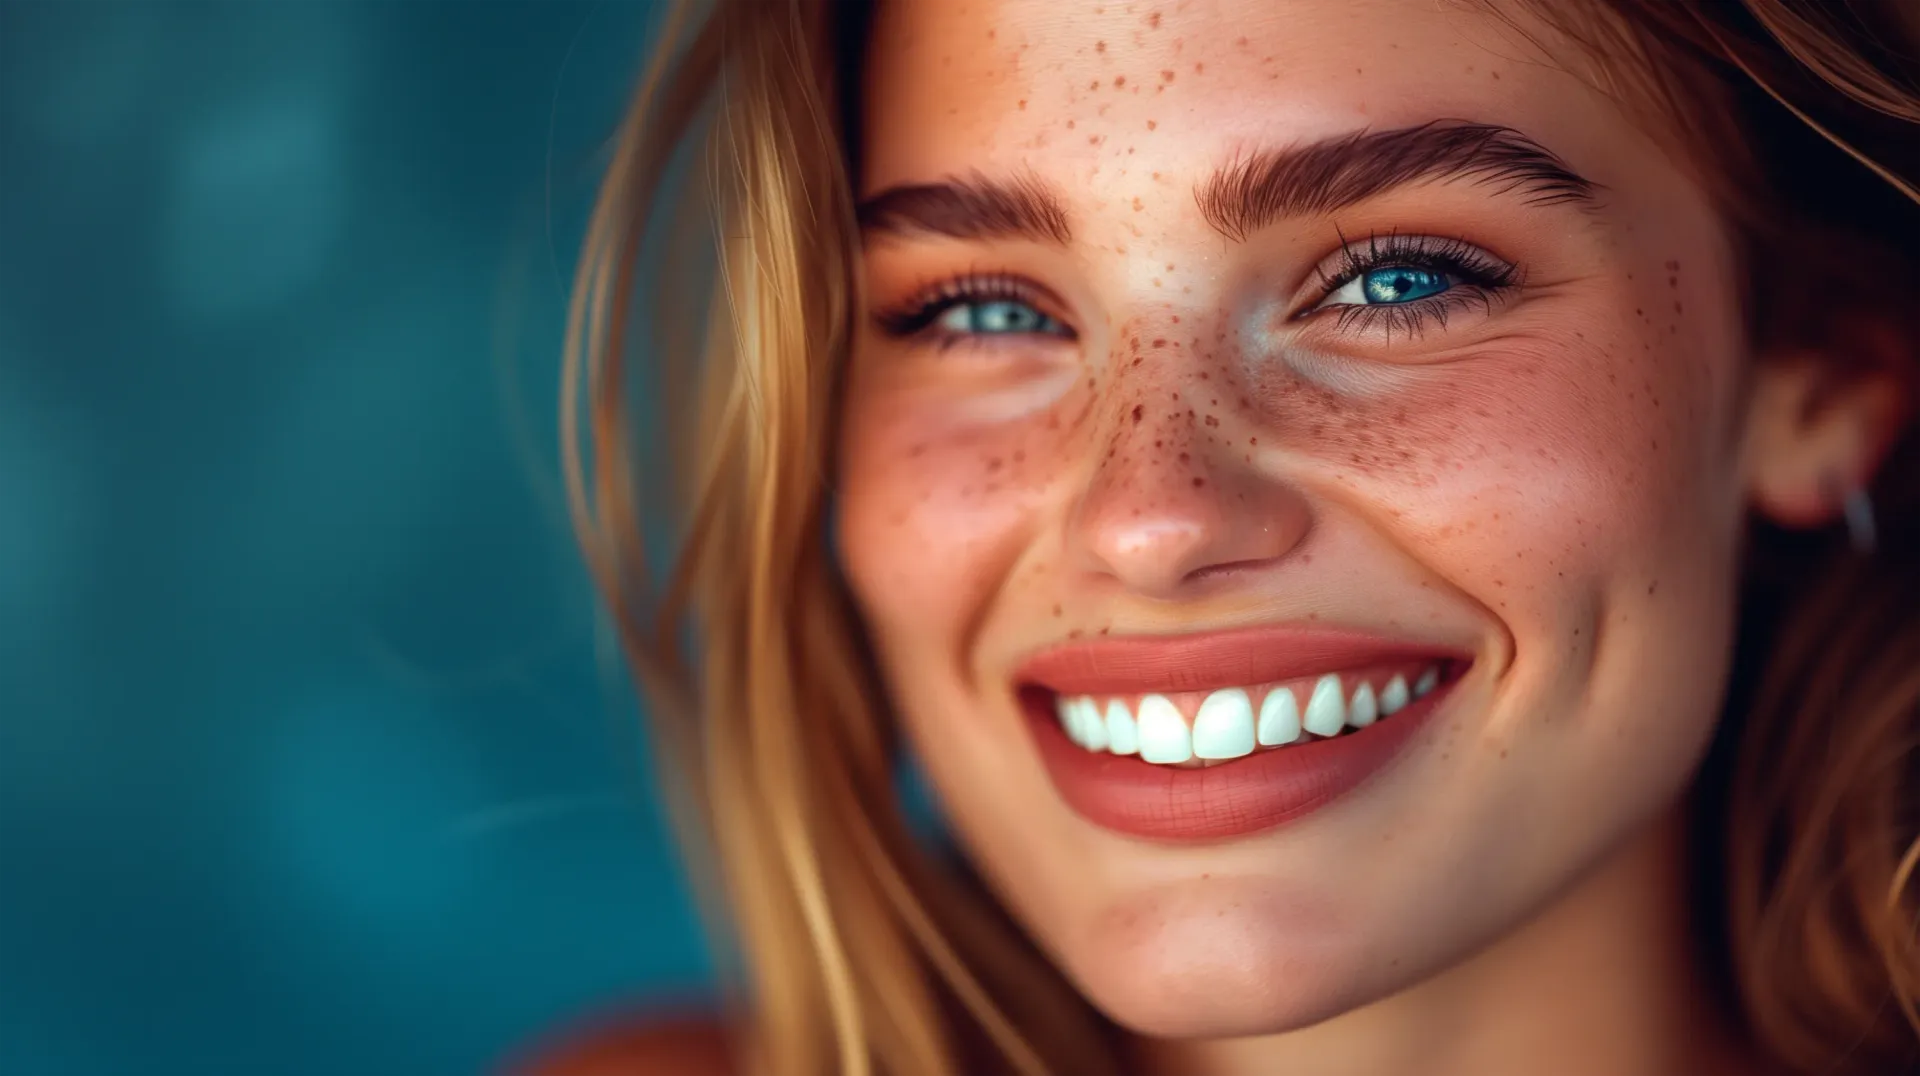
[(1402, 284), (1003, 317)]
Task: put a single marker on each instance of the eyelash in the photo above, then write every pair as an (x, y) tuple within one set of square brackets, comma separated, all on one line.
[(917, 315), (1481, 279)]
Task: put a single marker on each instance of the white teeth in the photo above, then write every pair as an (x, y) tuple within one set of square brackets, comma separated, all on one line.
[(1224, 726), (1362, 711), (1081, 718), (1427, 682), (1395, 696), (1093, 726), (1122, 737), (1327, 709), (1163, 732), (1279, 718)]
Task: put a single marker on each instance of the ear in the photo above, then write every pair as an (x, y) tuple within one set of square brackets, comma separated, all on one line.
[(1818, 429)]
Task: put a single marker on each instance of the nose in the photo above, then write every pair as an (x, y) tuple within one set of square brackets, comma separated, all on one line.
[(1176, 501)]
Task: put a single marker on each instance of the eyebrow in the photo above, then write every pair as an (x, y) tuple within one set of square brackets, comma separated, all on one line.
[(1320, 177), (975, 207), (1253, 191)]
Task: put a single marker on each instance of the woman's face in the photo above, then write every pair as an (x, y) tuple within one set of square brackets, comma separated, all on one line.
[(1291, 474)]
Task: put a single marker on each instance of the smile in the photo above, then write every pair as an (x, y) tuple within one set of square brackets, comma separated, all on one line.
[(1215, 735), (1198, 728)]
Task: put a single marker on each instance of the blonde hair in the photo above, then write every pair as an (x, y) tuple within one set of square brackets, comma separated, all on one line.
[(860, 950)]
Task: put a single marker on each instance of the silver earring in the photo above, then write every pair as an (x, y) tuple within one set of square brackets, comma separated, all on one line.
[(1859, 511)]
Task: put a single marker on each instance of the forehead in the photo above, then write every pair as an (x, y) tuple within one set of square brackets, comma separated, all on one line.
[(1086, 92)]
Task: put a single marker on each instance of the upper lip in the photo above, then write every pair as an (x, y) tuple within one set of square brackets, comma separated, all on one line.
[(1137, 664)]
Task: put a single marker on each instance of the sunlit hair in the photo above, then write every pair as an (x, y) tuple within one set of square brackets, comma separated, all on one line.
[(860, 951)]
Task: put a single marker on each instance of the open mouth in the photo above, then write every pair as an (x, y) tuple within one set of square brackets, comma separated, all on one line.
[(1192, 728), (1225, 733)]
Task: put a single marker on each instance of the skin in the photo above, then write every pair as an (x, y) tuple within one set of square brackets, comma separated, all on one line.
[(1556, 482)]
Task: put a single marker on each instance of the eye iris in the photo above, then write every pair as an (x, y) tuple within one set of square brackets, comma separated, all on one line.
[(995, 317), (1402, 284), (1003, 316)]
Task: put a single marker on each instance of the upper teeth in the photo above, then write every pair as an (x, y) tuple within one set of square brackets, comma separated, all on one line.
[(1227, 723)]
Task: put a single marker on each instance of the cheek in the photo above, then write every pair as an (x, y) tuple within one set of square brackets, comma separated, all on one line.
[(931, 515), (1526, 469)]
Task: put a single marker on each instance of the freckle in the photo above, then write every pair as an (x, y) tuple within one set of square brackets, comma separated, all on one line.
[(1166, 76), (1069, 125), (1119, 81), (1100, 46), (1023, 106), (1153, 20), (994, 464), (1153, 125), (1198, 68), (1139, 411), (1094, 85)]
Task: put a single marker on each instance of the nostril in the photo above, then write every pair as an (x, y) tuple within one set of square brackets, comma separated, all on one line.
[(1208, 573)]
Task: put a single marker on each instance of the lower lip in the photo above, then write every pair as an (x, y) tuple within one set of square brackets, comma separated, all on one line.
[(1260, 791)]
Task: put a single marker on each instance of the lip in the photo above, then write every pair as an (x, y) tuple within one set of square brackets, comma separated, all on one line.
[(1266, 789), (1133, 665)]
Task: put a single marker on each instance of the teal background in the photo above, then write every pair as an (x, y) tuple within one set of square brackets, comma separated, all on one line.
[(313, 758)]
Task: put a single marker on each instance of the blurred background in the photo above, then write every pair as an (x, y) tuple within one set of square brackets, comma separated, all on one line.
[(312, 756)]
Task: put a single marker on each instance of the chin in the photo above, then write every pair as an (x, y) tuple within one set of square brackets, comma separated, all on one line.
[(1215, 959)]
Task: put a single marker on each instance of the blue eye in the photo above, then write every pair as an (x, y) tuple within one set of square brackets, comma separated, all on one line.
[(995, 317), (1402, 284), (1390, 285)]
